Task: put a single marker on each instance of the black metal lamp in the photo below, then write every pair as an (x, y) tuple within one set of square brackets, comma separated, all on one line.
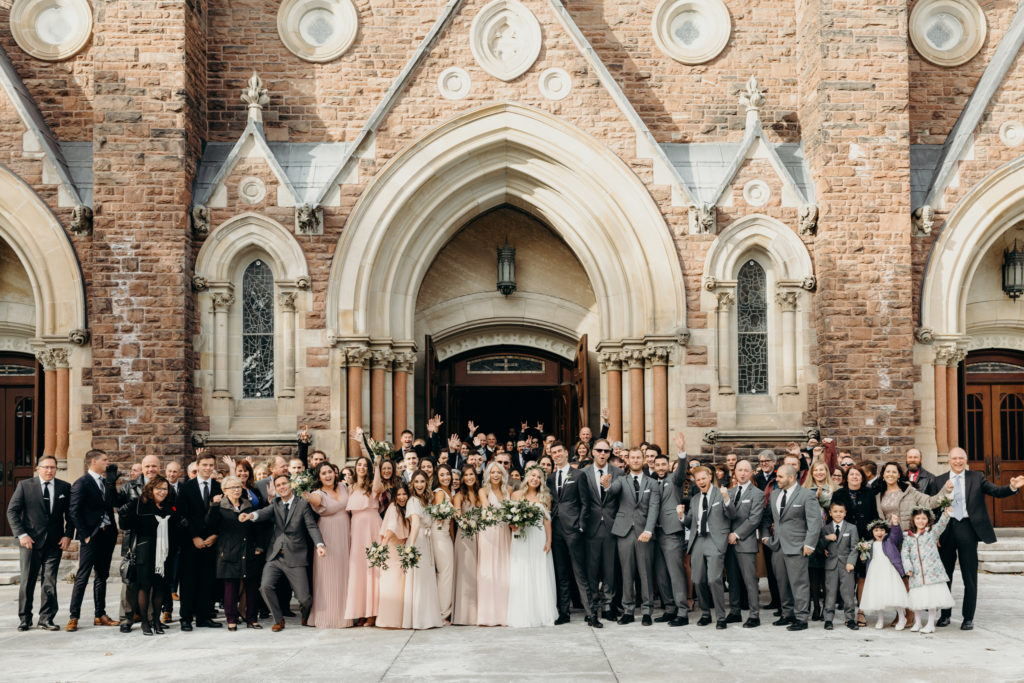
[(1013, 271), (506, 269)]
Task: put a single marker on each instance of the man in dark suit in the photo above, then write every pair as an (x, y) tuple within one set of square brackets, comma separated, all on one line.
[(968, 525), (598, 515), (287, 552), (567, 543), (92, 513), (639, 502), (741, 555), (766, 469), (38, 515), (709, 518), (918, 476), (670, 544), (198, 555), (586, 435)]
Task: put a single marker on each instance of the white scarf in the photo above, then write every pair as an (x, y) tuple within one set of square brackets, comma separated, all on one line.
[(162, 544)]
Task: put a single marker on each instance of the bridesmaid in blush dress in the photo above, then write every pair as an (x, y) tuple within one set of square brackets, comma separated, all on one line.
[(363, 581), (466, 499), (421, 609), (393, 532), (493, 554), (330, 572), (441, 544)]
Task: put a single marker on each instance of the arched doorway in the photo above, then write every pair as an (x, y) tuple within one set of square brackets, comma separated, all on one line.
[(20, 429)]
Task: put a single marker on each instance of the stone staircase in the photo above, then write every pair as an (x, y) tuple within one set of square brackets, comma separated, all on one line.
[(1005, 556), (10, 563)]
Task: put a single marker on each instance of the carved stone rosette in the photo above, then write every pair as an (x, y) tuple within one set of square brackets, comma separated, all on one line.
[(287, 301), (924, 335), (200, 283), (302, 282), (79, 337)]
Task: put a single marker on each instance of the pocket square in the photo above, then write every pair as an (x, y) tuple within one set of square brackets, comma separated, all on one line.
[(60, 496), (743, 502), (717, 502), (798, 506), (846, 535)]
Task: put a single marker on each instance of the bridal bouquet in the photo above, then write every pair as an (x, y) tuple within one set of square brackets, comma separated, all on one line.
[(469, 522), (489, 516), (303, 482), (440, 512), (864, 549), (409, 555), (381, 450), (377, 555), (522, 514)]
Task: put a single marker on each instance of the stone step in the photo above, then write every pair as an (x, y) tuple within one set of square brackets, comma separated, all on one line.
[(1010, 532), (1004, 544), (990, 555), (1002, 567)]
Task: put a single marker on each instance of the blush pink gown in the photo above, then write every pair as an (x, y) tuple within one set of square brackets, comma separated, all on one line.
[(422, 609), (392, 580), (330, 572), (492, 572), (363, 581)]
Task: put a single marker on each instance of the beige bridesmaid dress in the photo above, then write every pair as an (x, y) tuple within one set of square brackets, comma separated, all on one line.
[(393, 532), (444, 561), (464, 611), (421, 609)]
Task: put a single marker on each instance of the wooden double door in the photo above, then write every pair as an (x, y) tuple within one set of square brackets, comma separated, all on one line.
[(19, 423)]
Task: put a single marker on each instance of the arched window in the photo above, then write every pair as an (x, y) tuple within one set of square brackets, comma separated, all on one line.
[(752, 329), (258, 331)]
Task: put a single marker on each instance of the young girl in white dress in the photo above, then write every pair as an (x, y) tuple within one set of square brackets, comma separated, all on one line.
[(927, 575), (531, 586), (883, 586)]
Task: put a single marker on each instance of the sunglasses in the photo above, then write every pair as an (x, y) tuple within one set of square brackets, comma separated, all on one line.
[(846, 464), (602, 450)]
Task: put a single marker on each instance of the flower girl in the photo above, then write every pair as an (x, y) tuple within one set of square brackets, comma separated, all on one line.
[(928, 589), (883, 586)]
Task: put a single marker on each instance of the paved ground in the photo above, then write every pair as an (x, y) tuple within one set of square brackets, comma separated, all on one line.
[(994, 651)]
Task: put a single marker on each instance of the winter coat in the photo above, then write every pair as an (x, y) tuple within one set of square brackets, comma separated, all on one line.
[(920, 555), (891, 548), (237, 542)]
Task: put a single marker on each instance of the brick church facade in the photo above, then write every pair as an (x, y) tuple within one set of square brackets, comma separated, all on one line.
[(221, 222)]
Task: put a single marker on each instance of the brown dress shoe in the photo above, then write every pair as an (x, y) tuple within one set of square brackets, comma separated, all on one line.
[(166, 618), (174, 596), (104, 621), (72, 625), (279, 626)]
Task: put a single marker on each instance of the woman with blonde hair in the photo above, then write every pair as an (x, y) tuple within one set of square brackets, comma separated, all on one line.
[(493, 553), (819, 480), (531, 591)]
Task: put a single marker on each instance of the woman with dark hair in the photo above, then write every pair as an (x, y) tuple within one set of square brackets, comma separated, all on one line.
[(330, 572), (581, 453), (363, 580), (466, 498), (394, 531), (239, 552), (245, 474), (895, 496), (389, 481), (441, 543), (151, 519), (348, 476), (547, 463), (859, 501), (421, 609), (427, 467)]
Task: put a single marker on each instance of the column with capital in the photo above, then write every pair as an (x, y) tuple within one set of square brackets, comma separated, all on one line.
[(635, 358), (725, 298), (953, 397), (49, 363), (658, 355), (221, 303), (287, 302), (942, 357), (354, 357), (380, 364), (787, 299), (401, 366), (611, 364), (63, 426)]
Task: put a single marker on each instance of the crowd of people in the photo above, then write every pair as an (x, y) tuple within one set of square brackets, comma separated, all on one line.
[(431, 534)]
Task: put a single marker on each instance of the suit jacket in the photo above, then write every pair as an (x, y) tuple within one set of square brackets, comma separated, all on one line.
[(672, 495), (632, 516), (749, 510), (27, 514), (598, 513), (88, 506), (567, 506), (976, 487), (194, 512), (762, 480), (796, 526), (720, 517), (290, 532), (843, 549), (924, 479)]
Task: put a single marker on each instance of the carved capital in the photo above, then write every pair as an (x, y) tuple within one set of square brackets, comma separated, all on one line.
[(658, 354), (610, 360), (79, 337), (200, 221), (958, 357), (924, 335), (702, 219), (810, 283), (302, 282), (200, 283), (287, 301), (404, 361), (308, 220), (81, 220), (786, 299), (949, 354), (710, 283), (45, 357), (222, 301), (53, 357), (808, 219), (381, 359), (725, 299), (634, 357), (923, 220), (355, 356)]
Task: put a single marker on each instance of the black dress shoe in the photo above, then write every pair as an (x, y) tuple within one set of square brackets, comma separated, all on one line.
[(253, 624), (209, 623), (48, 626), (968, 625), (596, 623), (562, 619), (752, 623), (704, 620), (783, 621), (24, 626), (721, 625), (777, 613), (733, 619), (647, 621), (288, 613), (797, 626), (609, 615), (126, 626), (626, 619), (852, 625), (667, 616), (679, 621), (828, 625), (186, 625), (943, 620)]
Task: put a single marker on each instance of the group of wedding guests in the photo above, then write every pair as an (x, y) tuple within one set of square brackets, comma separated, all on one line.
[(617, 530)]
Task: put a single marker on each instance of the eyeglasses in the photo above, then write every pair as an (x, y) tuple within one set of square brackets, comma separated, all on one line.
[(231, 488), (161, 490), (602, 450), (764, 461), (846, 464)]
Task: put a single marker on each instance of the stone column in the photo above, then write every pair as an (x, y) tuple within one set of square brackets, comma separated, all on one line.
[(611, 362), (787, 300), (635, 358), (354, 358), (941, 444), (401, 367), (46, 357), (953, 398), (221, 303), (380, 364), (287, 302), (63, 372), (659, 358), (725, 297)]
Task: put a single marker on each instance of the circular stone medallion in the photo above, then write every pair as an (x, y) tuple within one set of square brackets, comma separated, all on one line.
[(317, 30), (51, 29)]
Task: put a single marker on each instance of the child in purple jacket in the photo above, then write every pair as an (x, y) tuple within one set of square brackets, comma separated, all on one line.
[(883, 586)]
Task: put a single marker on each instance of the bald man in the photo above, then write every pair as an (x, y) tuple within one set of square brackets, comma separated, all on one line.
[(128, 497)]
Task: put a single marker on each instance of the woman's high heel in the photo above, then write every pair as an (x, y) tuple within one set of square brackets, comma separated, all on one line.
[(158, 628), (146, 630)]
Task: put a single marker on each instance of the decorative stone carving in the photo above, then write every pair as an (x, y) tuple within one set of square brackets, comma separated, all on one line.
[(813, 433), (251, 190), (725, 298), (787, 299), (710, 283), (308, 221), (711, 436), (53, 357), (381, 359), (286, 300), (691, 31), (810, 283), (757, 192), (635, 358), (555, 83), (317, 30), (454, 83), (356, 356), (703, 219), (1011, 133), (944, 354), (448, 348), (947, 32), (505, 39), (752, 98), (809, 219), (81, 220), (79, 337), (609, 360), (255, 96), (657, 354), (200, 221), (924, 335), (957, 357), (302, 282), (404, 361), (222, 301), (683, 337), (200, 283), (923, 220), (199, 439), (51, 30)]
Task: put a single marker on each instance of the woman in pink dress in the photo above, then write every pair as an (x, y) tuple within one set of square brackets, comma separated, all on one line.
[(330, 572), (363, 580), (441, 543), (422, 609), (492, 562), (393, 532), (467, 498)]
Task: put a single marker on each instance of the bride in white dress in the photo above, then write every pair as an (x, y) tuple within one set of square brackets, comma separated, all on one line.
[(531, 588)]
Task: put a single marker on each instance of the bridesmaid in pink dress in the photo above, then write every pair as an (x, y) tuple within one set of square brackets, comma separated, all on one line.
[(492, 573), (422, 609), (393, 532), (330, 572), (363, 581), (467, 498), (441, 543)]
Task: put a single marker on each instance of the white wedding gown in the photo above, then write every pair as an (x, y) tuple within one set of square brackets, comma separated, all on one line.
[(531, 586)]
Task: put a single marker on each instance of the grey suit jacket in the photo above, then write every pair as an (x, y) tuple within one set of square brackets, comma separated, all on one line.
[(631, 516), (719, 519), (749, 511), (27, 515), (598, 515), (843, 549), (797, 526), (289, 534), (671, 496)]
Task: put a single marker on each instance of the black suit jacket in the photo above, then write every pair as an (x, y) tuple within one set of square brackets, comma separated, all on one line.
[(566, 507), (27, 514), (598, 514), (762, 480), (924, 480), (976, 487), (194, 512), (88, 505)]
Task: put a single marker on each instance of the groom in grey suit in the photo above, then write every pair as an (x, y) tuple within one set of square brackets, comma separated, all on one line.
[(708, 517), (741, 557), (639, 501), (287, 552), (791, 531)]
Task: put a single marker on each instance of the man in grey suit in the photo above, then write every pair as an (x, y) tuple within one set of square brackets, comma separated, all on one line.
[(287, 552), (708, 517), (38, 515), (791, 531), (669, 569), (265, 487), (839, 538), (598, 514), (639, 502), (741, 556)]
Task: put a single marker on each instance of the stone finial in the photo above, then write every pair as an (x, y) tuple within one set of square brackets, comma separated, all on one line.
[(255, 95), (81, 220), (808, 219), (200, 221), (923, 219), (79, 337), (753, 99)]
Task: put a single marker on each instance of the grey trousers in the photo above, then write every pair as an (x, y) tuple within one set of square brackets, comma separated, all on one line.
[(670, 572), (746, 581), (708, 565), (273, 571), (794, 585), (845, 583), (637, 558), (36, 561)]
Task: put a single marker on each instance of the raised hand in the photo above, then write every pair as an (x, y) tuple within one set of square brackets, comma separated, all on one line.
[(229, 461), (681, 510), (894, 519), (304, 434), (604, 415), (725, 493), (249, 459), (472, 427), (524, 425), (680, 442), (216, 499), (270, 490), (540, 427), (1017, 482), (357, 434), (200, 452)]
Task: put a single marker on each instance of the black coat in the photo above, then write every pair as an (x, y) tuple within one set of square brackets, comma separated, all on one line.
[(27, 514), (194, 511), (88, 506), (860, 507), (237, 542), (976, 487)]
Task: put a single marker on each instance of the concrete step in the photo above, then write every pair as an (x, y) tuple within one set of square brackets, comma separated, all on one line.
[(1002, 567), (1004, 545), (989, 555), (1010, 532)]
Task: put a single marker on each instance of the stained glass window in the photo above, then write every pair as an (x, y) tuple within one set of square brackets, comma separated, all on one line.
[(258, 331), (752, 329)]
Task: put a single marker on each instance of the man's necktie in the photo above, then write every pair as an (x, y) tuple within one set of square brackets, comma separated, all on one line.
[(206, 493), (46, 497), (600, 489), (959, 508), (705, 510), (558, 484), (636, 488), (782, 504)]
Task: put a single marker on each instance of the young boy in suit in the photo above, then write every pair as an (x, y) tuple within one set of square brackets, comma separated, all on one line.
[(839, 539)]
